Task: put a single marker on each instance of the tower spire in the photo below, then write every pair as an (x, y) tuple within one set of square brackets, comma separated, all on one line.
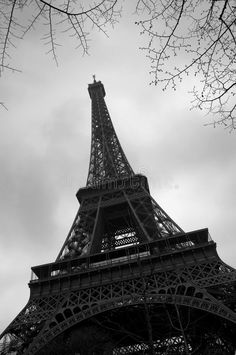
[(107, 159), (136, 217)]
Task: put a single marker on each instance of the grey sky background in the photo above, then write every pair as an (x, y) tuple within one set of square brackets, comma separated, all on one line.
[(45, 147)]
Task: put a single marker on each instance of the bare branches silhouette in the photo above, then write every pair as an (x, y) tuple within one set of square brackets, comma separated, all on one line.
[(76, 18), (203, 34), (199, 33)]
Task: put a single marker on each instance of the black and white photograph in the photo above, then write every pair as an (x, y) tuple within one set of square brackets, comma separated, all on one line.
[(117, 177)]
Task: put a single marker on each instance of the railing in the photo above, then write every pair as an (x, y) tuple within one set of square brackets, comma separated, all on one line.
[(81, 265), (161, 247)]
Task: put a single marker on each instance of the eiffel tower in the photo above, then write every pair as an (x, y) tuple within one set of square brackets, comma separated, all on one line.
[(128, 279)]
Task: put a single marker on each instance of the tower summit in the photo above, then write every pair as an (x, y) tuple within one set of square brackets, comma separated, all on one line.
[(128, 279), (107, 159)]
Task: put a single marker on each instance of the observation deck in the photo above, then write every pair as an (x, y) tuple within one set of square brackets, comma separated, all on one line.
[(123, 263)]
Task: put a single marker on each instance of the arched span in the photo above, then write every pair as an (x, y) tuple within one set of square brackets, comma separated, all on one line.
[(69, 317)]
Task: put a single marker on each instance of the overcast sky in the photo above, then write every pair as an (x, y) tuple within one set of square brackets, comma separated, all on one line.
[(45, 146)]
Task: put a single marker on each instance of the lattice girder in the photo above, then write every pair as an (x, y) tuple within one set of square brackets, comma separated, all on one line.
[(176, 287), (121, 298), (30, 320), (137, 216), (107, 159), (183, 286)]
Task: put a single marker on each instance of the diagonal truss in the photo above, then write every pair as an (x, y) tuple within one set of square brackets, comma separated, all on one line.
[(107, 159), (46, 317), (136, 218)]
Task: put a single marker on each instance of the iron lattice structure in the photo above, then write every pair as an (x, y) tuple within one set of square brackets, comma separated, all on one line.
[(128, 279)]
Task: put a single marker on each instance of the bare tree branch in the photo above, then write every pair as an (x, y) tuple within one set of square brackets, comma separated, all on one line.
[(199, 33), (7, 39), (2, 104), (83, 12), (73, 18), (52, 36), (203, 33)]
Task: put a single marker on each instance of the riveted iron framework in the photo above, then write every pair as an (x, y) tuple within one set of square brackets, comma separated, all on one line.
[(107, 159), (128, 279)]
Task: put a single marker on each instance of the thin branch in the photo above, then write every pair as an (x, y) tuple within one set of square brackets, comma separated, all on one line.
[(53, 44), (2, 104), (6, 39), (35, 18), (78, 13)]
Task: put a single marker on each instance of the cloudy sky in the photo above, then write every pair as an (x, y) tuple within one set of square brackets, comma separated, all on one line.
[(45, 146)]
